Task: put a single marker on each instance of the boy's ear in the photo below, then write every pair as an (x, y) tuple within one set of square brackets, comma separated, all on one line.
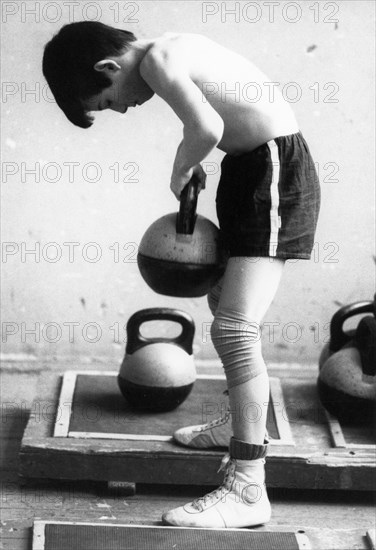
[(107, 66)]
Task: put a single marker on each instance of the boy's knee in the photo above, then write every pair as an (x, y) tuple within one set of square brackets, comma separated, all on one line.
[(231, 328), (237, 340)]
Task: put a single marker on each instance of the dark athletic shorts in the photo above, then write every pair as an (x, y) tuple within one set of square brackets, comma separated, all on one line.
[(268, 200)]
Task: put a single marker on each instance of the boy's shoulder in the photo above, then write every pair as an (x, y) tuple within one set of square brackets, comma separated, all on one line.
[(163, 54), (172, 45)]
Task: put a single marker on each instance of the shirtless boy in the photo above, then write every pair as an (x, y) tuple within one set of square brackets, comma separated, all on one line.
[(268, 201)]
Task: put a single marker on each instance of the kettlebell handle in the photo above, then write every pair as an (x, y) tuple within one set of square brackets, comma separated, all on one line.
[(186, 217), (135, 340), (338, 337), (365, 342)]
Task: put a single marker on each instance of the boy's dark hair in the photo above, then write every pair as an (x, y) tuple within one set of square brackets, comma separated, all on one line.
[(68, 64)]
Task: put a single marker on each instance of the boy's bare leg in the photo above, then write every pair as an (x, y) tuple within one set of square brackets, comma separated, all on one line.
[(249, 286), (255, 283)]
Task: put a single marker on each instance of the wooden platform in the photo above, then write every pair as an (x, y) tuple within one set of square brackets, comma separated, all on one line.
[(336, 520), (309, 449), (92, 407)]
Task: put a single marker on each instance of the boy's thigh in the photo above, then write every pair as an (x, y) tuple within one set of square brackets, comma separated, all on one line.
[(249, 285)]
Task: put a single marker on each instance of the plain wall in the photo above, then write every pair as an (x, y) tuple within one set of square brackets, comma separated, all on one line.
[(77, 306)]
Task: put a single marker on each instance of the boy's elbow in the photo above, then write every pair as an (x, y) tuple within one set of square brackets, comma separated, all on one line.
[(218, 131), (213, 133), (207, 131)]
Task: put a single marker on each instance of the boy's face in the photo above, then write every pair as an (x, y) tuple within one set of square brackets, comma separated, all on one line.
[(128, 89)]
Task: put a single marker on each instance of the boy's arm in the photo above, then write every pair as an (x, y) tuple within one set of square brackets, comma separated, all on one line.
[(203, 127)]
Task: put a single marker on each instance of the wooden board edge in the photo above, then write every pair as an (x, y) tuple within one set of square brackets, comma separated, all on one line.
[(118, 436), (371, 538), (283, 424), (92, 372), (39, 534), (303, 541), (362, 446), (335, 430), (138, 468), (211, 377), (150, 437), (43, 408), (64, 406), (115, 373), (338, 438)]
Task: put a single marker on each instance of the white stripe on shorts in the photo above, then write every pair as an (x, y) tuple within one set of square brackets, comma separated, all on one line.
[(275, 220)]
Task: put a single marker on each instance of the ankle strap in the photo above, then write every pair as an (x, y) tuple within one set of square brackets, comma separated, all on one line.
[(247, 451)]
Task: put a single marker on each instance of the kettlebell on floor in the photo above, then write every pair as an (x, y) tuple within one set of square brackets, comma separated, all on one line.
[(157, 374), (347, 378), (338, 336)]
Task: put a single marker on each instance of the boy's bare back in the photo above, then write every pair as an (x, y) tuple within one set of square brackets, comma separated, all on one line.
[(200, 80), (268, 194)]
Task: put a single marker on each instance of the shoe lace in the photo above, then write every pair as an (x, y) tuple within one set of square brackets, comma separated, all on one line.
[(216, 422), (228, 464)]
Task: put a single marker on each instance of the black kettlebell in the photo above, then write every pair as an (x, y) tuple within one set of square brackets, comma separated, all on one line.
[(338, 336), (157, 374), (180, 254), (347, 379)]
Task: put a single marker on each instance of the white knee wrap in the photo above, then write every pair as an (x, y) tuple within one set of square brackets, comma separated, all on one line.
[(237, 340)]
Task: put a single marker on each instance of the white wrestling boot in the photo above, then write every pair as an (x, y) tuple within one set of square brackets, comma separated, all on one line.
[(241, 501), (216, 433)]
